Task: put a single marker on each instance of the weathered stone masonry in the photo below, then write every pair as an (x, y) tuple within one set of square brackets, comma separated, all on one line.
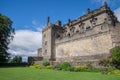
[(84, 40)]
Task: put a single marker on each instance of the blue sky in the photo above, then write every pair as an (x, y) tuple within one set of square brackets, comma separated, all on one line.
[(29, 17), (25, 12)]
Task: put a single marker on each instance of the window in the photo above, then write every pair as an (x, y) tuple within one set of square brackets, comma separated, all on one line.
[(77, 31), (68, 35), (44, 35), (45, 42), (87, 28), (101, 27), (45, 50), (94, 23)]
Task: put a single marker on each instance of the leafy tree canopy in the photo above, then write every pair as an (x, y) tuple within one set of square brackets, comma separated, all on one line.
[(6, 34), (17, 59)]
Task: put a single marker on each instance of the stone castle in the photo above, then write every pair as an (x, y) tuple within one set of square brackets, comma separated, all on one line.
[(87, 39)]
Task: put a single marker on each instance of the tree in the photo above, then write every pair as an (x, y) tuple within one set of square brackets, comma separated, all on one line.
[(115, 55), (6, 35), (17, 59)]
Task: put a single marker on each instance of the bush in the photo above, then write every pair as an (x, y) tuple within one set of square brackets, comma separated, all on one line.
[(105, 62), (58, 67), (116, 72), (37, 66), (63, 66), (80, 68), (49, 67), (87, 68), (31, 66), (70, 69), (46, 63), (106, 70), (115, 55)]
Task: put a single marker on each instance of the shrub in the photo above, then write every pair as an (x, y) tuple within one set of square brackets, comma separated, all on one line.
[(115, 55), (49, 67), (63, 66), (45, 63), (88, 68), (116, 72), (58, 67), (70, 69), (37, 66), (105, 62), (80, 68), (31, 66), (106, 70)]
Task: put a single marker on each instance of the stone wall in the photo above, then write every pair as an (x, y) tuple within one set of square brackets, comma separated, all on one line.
[(46, 42), (94, 45), (40, 52), (115, 34), (92, 60)]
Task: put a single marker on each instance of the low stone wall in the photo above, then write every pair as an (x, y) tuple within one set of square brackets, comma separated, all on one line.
[(82, 58), (38, 62), (94, 63), (92, 60)]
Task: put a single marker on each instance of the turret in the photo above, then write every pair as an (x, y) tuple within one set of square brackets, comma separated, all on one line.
[(48, 21)]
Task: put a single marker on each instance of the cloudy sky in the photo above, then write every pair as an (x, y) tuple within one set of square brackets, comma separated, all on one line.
[(29, 17)]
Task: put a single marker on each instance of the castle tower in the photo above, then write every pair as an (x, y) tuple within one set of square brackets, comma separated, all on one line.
[(48, 40)]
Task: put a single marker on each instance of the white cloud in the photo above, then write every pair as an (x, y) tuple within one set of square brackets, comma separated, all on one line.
[(37, 26), (117, 13), (35, 23), (25, 43)]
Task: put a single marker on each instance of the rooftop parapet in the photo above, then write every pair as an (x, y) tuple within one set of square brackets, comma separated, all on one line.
[(90, 13)]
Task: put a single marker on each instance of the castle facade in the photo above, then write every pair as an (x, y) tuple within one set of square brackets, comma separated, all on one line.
[(87, 39)]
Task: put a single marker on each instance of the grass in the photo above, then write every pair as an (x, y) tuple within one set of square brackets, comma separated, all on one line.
[(25, 73)]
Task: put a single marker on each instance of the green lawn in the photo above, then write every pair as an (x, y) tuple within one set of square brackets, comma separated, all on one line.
[(44, 74)]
